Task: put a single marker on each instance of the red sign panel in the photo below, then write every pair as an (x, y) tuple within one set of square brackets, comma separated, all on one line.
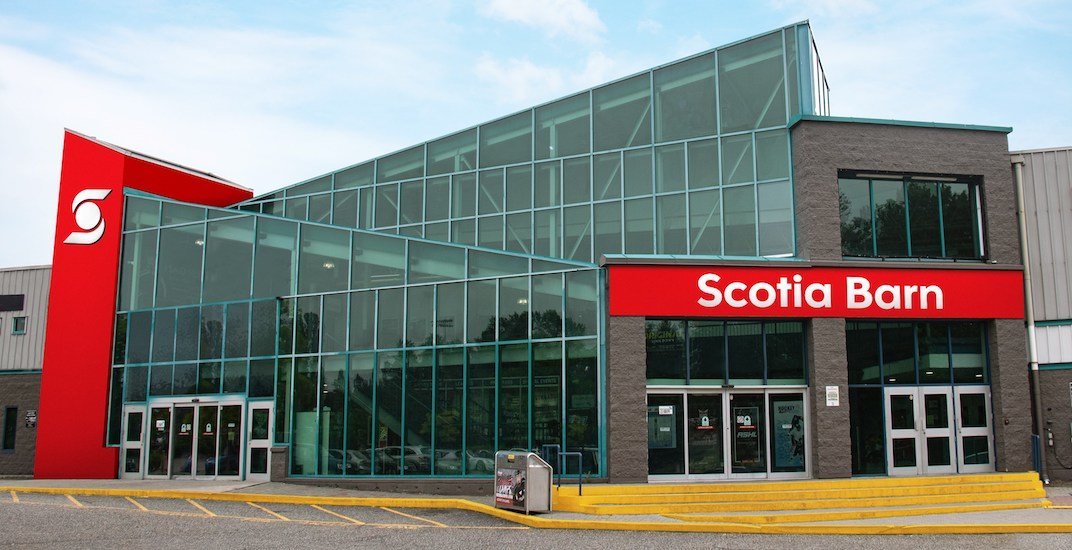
[(851, 292), (81, 304)]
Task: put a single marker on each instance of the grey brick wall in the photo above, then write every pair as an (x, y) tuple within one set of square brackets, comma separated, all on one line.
[(22, 391), (1057, 409), (831, 453), (627, 406), (820, 149)]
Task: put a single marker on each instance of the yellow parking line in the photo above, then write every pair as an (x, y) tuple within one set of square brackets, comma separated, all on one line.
[(259, 507), (138, 504), (14, 497), (75, 501), (202, 508), (338, 515), (411, 516)]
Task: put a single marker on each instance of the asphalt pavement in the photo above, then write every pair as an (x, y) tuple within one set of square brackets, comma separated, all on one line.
[(55, 521)]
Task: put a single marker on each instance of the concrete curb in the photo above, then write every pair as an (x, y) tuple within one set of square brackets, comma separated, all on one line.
[(551, 523)]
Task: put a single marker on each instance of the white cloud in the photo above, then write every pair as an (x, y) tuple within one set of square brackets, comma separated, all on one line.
[(518, 81), (570, 18), (649, 26)]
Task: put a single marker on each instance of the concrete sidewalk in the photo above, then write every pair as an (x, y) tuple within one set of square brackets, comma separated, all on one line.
[(1038, 520)]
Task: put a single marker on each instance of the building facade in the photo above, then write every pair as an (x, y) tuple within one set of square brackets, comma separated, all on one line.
[(23, 303), (690, 273), (1047, 180)]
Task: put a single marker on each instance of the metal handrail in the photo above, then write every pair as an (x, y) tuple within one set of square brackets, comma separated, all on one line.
[(560, 461)]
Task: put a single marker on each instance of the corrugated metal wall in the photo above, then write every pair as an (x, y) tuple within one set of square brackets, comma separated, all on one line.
[(23, 351), (1048, 203)]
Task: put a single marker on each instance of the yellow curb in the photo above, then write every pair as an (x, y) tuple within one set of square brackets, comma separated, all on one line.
[(549, 523)]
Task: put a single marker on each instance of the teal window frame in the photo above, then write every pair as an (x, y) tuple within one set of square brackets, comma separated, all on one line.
[(976, 205), (18, 326)]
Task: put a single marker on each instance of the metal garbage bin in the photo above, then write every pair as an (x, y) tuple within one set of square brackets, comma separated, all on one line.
[(522, 482)]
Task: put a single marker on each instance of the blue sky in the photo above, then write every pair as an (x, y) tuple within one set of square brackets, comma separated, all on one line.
[(268, 94)]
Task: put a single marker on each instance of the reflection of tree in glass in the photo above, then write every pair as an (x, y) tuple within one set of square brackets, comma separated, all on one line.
[(855, 228), (890, 235)]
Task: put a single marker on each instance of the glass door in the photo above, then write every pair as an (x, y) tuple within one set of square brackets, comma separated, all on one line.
[(182, 441), (748, 435), (260, 442), (159, 440), (705, 435), (229, 459), (666, 437), (937, 445), (207, 439), (974, 429), (919, 428), (134, 435)]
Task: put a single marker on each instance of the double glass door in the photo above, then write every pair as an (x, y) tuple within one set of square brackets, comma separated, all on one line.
[(938, 430), (726, 434), (194, 440)]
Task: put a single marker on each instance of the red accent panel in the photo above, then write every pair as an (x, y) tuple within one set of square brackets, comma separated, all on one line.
[(850, 292), (78, 339)]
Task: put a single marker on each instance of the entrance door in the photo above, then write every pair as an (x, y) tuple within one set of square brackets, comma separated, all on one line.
[(133, 446), (666, 437), (919, 428), (975, 443), (705, 435), (159, 439), (748, 440), (260, 441)]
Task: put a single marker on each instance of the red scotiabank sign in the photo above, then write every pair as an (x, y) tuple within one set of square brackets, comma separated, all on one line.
[(806, 291)]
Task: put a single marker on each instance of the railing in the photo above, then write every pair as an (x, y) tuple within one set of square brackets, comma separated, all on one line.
[(560, 462)]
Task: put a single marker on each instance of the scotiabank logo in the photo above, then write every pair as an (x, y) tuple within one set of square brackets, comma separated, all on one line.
[(88, 217), (785, 292)]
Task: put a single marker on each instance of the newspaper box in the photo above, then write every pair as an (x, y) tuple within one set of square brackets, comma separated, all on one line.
[(522, 482)]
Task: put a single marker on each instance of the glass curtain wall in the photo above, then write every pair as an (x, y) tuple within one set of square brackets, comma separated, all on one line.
[(385, 355), (688, 158)]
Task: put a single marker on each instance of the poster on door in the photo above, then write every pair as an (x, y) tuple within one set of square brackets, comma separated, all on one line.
[(787, 423), (745, 435)]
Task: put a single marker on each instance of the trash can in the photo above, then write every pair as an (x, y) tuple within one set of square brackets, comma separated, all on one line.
[(522, 482)]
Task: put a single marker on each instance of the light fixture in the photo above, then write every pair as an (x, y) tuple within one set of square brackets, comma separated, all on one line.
[(929, 373), (523, 301), (329, 265), (200, 242)]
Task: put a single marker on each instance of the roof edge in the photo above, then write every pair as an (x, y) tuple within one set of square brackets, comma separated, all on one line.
[(159, 161), (1042, 150), (890, 122)]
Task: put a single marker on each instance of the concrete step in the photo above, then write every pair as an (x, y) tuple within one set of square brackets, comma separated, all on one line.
[(801, 494), (763, 486), (842, 514), (782, 501)]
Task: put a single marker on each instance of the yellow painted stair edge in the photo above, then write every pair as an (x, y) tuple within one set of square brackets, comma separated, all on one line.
[(843, 515)]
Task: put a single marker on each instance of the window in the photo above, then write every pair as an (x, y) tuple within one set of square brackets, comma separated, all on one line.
[(904, 353), (18, 325), (898, 216), (10, 421), (710, 352)]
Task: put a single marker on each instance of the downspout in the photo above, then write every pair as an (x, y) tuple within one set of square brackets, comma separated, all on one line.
[(1029, 315)]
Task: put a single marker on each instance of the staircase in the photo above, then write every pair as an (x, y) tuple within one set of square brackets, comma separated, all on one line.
[(764, 502)]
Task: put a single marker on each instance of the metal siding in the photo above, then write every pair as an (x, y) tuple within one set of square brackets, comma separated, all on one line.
[(1048, 200), (1054, 344), (24, 351)]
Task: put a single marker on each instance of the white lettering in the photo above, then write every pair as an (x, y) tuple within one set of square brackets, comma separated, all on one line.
[(753, 295), (858, 295), (892, 292), (704, 284), (730, 290), (932, 290), (824, 295)]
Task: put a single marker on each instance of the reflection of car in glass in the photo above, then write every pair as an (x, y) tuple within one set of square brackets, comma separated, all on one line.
[(479, 462), (416, 459), (448, 462), (357, 462)]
